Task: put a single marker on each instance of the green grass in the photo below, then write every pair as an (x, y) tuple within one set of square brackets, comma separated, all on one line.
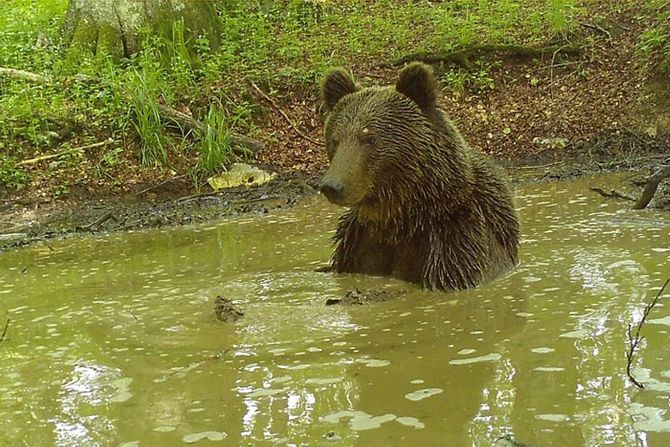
[(215, 145), (654, 44)]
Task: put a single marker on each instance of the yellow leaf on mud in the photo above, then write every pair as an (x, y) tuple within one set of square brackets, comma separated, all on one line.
[(241, 174)]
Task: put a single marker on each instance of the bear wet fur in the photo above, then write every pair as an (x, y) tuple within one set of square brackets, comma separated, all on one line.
[(423, 206)]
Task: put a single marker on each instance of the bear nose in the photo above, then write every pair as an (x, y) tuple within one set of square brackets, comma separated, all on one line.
[(332, 191)]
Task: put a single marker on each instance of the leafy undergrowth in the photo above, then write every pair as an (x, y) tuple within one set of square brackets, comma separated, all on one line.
[(102, 121)]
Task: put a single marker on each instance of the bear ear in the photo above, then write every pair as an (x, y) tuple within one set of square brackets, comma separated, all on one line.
[(337, 84), (417, 82)]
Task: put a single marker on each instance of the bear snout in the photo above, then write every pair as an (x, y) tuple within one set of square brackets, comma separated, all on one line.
[(334, 191)]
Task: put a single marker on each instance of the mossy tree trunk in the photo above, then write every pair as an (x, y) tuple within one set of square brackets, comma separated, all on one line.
[(114, 27)]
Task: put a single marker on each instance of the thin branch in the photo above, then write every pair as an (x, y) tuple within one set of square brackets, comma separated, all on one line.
[(551, 71), (541, 166), (4, 331), (283, 114), (597, 28), (613, 194), (634, 341), (65, 152)]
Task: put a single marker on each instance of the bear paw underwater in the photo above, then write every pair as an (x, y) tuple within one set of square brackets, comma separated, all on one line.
[(423, 206)]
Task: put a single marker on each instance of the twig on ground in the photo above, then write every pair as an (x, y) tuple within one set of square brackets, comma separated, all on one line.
[(541, 166), (198, 196), (597, 28), (101, 220), (65, 152), (562, 64), (651, 187), (284, 115), (613, 194), (634, 341)]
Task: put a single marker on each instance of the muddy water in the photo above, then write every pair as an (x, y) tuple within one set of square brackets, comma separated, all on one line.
[(112, 340)]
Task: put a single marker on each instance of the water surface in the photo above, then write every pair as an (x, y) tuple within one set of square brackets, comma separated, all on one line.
[(112, 340)]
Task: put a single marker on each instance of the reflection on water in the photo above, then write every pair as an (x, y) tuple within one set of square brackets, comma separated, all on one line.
[(112, 340)]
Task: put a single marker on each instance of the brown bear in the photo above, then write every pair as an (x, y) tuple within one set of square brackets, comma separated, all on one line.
[(423, 206)]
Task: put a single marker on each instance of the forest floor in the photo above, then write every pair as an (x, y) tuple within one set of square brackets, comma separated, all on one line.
[(547, 117)]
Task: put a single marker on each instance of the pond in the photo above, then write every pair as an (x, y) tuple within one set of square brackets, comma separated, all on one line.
[(112, 340)]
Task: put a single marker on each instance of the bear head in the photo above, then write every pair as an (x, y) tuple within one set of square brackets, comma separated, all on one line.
[(378, 139)]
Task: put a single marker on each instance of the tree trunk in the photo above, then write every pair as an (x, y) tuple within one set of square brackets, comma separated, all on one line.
[(114, 26)]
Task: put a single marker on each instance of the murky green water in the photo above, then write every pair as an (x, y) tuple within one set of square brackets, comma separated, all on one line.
[(112, 340)]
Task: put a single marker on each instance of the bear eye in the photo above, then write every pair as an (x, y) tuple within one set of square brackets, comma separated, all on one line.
[(369, 140)]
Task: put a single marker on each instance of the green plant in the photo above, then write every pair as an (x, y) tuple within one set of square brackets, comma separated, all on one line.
[(11, 176), (654, 42), (460, 80), (60, 191), (215, 146), (147, 121), (111, 158), (559, 15)]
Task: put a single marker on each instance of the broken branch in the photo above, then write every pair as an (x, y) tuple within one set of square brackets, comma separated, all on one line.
[(634, 341), (613, 194), (104, 218), (597, 28), (651, 187)]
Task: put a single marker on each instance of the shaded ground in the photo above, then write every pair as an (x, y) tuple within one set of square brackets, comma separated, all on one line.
[(545, 118)]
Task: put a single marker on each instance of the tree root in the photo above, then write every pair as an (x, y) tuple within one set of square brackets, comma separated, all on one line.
[(462, 56)]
